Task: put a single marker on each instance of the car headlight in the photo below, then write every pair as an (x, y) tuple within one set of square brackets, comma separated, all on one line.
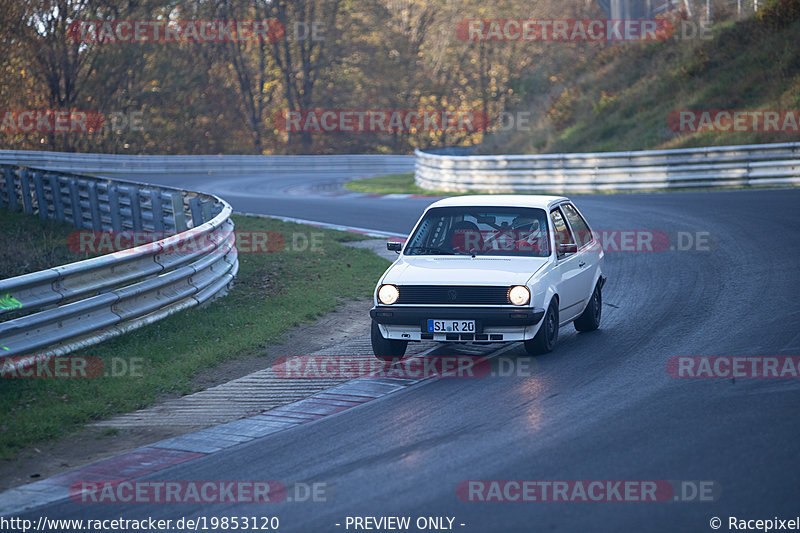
[(519, 295), (388, 294)]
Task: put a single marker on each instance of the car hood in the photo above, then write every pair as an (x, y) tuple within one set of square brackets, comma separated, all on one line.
[(463, 270)]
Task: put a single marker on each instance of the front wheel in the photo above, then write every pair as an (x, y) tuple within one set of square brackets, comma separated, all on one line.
[(545, 339), (386, 349), (590, 318)]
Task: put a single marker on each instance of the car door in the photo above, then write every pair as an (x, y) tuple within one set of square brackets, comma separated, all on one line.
[(568, 270), (588, 250)]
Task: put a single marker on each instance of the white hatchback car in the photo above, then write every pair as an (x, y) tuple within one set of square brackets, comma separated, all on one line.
[(490, 269)]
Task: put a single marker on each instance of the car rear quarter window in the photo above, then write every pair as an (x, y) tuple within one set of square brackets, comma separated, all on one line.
[(580, 229), (561, 231)]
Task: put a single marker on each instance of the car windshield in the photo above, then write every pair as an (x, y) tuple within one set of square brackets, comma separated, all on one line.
[(513, 231)]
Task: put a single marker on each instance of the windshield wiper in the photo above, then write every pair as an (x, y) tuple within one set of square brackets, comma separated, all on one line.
[(432, 250)]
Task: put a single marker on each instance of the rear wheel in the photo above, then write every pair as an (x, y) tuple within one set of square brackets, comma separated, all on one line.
[(386, 349), (545, 339), (590, 318)]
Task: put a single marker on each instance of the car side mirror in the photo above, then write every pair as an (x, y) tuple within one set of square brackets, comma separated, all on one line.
[(394, 246), (568, 249)]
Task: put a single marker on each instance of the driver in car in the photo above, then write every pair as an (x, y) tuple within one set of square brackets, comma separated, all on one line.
[(527, 233)]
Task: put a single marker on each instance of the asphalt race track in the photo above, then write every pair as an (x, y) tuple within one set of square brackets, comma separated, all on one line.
[(601, 407)]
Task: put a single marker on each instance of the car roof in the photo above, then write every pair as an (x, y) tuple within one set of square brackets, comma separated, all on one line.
[(500, 200)]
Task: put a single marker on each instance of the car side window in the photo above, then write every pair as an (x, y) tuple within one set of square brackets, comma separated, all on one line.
[(561, 232), (581, 230)]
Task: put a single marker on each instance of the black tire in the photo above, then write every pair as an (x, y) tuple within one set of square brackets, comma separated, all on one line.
[(386, 349), (546, 337), (590, 318)]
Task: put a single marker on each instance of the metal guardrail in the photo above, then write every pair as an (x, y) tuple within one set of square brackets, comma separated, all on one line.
[(57, 310), (223, 165), (723, 166)]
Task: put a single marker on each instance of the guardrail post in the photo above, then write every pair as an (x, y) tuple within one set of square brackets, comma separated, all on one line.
[(11, 190), (178, 216), (25, 189), (74, 196), (205, 208), (113, 207), (41, 199), (158, 210), (58, 206), (197, 213), (94, 207), (136, 208)]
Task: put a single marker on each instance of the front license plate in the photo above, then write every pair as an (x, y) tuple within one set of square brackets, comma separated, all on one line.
[(451, 326)]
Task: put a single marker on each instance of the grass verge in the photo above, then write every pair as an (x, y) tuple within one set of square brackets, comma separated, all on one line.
[(32, 244), (273, 293), (393, 184)]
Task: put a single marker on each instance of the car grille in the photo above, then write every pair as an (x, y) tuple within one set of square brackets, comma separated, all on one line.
[(453, 295)]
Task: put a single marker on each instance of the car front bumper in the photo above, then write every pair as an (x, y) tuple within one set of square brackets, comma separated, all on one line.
[(492, 324)]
